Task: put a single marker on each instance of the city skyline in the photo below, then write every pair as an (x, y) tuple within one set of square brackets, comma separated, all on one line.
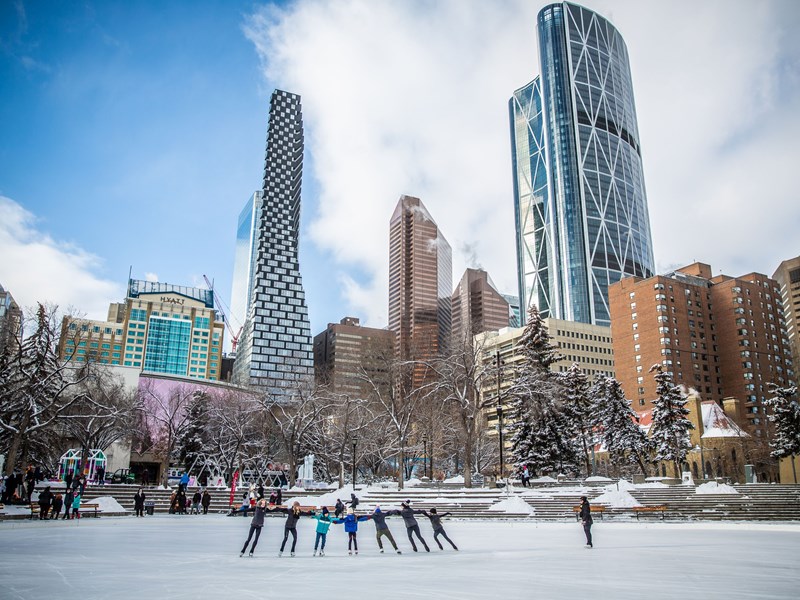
[(112, 134)]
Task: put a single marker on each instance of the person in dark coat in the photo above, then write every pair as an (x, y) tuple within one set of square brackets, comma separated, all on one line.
[(353, 501), (438, 528), (68, 497), (30, 482), (279, 496), (206, 501), (586, 519), (68, 479), (58, 503), (292, 516), (45, 500), (260, 491), (338, 510), (196, 499), (412, 526), (181, 501), (255, 526), (382, 529), (138, 503)]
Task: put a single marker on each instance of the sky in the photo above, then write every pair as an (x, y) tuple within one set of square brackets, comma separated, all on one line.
[(132, 134)]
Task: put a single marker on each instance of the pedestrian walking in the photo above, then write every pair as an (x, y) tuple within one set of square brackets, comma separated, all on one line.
[(412, 527), (290, 527), (438, 528), (351, 528), (586, 519), (382, 529), (256, 525), (206, 501), (45, 500), (324, 522), (138, 502)]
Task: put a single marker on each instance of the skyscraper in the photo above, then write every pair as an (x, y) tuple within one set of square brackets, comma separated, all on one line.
[(477, 306), (580, 204), (275, 348), (246, 252), (787, 275), (420, 281)]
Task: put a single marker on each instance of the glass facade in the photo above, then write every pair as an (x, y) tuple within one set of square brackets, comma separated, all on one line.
[(168, 346), (245, 258), (275, 350), (596, 227)]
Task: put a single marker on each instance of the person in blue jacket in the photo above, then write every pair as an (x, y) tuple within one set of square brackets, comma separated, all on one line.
[(351, 527), (324, 522)]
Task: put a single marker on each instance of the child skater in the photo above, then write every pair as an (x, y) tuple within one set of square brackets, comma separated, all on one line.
[(324, 522), (351, 527), (438, 528), (255, 526), (292, 516), (76, 506)]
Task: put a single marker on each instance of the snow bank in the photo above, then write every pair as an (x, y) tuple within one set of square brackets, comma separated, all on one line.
[(617, 499), (712, 487), (443, 500), (621, 485), (515, 505), (457, 479), (108, 504), (412, 482), (598, 478), (651, 485), (544, 479)]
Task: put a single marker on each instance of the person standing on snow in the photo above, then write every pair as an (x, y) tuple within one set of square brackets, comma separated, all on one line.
[(382, 529), (324, 522), (206, 501), (351, 527), (411, 524), (292, 516), (438, 528), (255, 526), (586, 519), (138, 503)]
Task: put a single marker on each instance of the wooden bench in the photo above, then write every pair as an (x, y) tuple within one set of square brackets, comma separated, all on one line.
[(662, 508), (596, 509), (93, 506), (35, 509)]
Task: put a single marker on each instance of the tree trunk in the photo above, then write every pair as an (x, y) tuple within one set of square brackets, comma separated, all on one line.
[(11, 459), (401, 466), (468, 460)]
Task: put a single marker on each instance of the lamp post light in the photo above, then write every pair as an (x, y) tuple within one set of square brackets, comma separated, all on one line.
[(500, 414), (424, 454), (355, 442)]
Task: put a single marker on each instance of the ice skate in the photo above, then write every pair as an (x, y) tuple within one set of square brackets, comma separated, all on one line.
[(356, 551), (251, 555), (241, 554), (280, 554), (381, 550), (350, 552), (322, 552), (315, 553), (588, 546), (292, 555), (399, 552)]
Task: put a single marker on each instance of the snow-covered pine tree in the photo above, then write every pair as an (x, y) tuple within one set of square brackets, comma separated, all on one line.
[(537, 347), (193, 441), (618, 425), (578, 414), (786, 417), (669, 432)]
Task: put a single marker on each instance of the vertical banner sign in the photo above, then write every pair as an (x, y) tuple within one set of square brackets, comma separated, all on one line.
[(233, 486)]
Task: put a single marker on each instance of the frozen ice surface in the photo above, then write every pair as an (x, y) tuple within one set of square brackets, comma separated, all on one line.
[(171, 557)]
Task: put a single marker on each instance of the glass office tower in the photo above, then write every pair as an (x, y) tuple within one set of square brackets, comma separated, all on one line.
[(275, 350), (587, 226), (244, 265)]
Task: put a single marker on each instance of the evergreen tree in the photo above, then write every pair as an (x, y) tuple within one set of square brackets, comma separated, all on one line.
[(670, 429), (618, 425), (578, 414), (786, 417), (193, 441)]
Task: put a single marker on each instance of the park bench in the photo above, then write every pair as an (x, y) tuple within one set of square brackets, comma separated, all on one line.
[(92, 506), (638, 510), (596, 508), (35, 509)]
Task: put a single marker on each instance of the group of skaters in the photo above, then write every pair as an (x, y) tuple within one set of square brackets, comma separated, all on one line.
[(347, 516)]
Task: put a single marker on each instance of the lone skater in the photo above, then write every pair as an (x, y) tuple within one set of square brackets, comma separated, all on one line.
[(438, 528), (586, 519), (382, 529), (255, 526), (412, 526)]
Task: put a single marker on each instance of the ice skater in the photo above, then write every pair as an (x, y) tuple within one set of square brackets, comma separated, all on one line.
[(338, 510), (586, 519), (351, 527), (292, 516), (255, 526), (412, 526), (324, 522), (382, 529), (138, 502), (438, 528)]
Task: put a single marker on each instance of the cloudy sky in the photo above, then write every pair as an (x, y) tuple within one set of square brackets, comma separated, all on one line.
[(131, 135)]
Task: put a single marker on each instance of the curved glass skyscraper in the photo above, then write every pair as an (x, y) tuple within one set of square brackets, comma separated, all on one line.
[(580, 202)]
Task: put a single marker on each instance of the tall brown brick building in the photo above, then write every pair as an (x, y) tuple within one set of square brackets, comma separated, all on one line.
[(477, 306), (722, 336)]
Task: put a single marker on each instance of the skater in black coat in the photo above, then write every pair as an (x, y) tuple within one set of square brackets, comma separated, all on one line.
[(255, 526), (68, 497), (586, 519), (58, 503), (45, 500), (382, 529), (438, 528), (292, 516), (206, 501), (138, 503), (412, 526), (338, 510)]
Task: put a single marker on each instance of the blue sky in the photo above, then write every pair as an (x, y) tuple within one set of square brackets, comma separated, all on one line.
[(131, 134)]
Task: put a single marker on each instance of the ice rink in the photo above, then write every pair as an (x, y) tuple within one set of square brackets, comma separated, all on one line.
[(181, 557)]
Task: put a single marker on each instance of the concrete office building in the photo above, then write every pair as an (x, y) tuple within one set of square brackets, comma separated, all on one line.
[(10, 321), (787, 275), (579, 196), (275, 350)]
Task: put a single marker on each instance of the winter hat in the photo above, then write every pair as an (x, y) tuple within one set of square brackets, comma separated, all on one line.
[(324, 510), (433, 510), (349, 511), (377, 508)]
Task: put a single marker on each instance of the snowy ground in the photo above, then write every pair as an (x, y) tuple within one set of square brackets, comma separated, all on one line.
[(173, 557)]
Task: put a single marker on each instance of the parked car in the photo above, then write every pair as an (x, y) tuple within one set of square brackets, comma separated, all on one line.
[(123, 476)]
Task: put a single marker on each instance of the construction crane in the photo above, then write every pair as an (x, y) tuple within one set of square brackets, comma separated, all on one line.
[(225, 318)]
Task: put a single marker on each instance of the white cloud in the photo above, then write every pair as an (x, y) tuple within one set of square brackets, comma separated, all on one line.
[(36, 268), (411, 98), (151, 277)]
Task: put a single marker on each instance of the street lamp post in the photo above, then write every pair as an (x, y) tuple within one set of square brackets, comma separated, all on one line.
[(500, 415), (424, 454), (355, 441)]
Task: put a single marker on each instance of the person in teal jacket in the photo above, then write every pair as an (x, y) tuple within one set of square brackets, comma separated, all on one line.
[(324, 523), (76, 506), (351, 527)]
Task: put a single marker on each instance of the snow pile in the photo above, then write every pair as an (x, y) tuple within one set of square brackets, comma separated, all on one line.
[(15, 509), (598, 478), (544, 479), (621, 485), (412, 482), (108, 504), (459, 479), (328, 499), (443, 500), (712, 487), (515, 505), (651, 485), (617, 499)]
